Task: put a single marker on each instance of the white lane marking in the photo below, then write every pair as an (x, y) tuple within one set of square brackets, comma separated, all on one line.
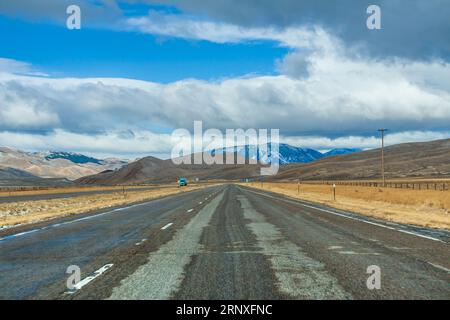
[(439, 267), (91, 278), (140, 242), (334, 247), (166, 226), (353, 218), (190, 210), (359, 253), (400, 248)]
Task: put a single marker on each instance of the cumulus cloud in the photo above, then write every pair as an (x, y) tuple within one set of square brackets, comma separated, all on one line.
[(364, 142), (338, 96)]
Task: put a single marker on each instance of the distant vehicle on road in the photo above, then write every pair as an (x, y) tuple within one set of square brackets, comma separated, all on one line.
[(182, 181)]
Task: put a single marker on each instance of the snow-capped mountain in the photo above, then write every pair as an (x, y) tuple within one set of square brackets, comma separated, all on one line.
[(341, 151), (52, 164), (285, 154), (267, 154), (73, 157)]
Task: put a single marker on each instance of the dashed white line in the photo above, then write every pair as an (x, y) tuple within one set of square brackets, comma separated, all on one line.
[(91, 278), (140, 242), (166, 226), (359, 253), (190, 210)]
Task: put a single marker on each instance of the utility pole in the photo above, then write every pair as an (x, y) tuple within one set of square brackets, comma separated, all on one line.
[(334, 191), (382, 130)]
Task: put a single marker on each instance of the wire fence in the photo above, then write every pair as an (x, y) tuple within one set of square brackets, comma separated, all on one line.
[(413, 185)]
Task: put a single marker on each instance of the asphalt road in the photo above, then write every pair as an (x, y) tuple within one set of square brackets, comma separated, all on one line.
[(224, 242)]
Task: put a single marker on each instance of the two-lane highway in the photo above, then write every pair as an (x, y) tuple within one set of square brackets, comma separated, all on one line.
[(225, 242)]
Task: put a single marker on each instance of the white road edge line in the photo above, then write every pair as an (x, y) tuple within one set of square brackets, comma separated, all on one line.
[(439, 267), (349, 217), (91, 278), (166, 226)]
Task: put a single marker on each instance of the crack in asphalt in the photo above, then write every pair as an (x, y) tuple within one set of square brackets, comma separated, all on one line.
[(299, 276)]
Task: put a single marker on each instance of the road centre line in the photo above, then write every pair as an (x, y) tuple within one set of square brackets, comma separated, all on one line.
[(166, 226), (91, 278)]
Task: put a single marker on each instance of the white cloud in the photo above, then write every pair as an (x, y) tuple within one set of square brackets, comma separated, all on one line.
[(323, 89), (364, 142), (186, 27), (18, 67), (141, 143), (337, 97)]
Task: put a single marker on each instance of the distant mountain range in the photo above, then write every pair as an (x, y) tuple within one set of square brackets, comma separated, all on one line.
[(341, 151), (425, 159), (408, 160), (53, 164), (72, 166), (286, 154)]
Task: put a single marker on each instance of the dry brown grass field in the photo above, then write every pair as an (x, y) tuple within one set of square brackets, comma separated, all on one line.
[(37, 191), (428, 208), (33, 211)]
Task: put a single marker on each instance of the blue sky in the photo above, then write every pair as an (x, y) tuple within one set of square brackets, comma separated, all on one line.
[(137, 70), (106, 53)]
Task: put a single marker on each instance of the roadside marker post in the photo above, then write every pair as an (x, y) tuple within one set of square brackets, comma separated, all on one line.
[(334, 191)]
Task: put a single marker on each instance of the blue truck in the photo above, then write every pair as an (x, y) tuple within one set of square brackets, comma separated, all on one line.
[(182, 181)]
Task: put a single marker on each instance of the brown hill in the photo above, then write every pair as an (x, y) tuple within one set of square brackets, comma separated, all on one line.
[(10, 177), (408, 160), (150, 169)]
